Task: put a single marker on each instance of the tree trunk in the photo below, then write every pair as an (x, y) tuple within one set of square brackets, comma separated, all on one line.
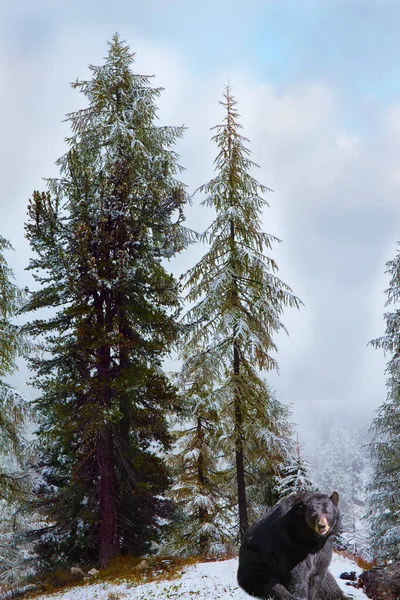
[(238, 410), (108, 489), (125, 407), (125, 403), (109, 545), (240, 472), (203, 514)]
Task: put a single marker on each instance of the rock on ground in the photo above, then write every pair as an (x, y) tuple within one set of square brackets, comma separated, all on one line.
[(382, 583)]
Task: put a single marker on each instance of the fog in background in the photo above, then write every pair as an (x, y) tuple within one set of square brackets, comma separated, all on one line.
[(318, 89)]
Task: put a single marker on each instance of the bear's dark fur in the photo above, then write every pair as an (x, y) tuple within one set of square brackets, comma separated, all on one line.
[(285, 555)]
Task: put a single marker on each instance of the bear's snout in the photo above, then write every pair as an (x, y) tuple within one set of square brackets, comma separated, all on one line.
[(322, 525)]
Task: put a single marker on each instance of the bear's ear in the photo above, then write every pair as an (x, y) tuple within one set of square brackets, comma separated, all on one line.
[(335, 498), (299, 500), (299, 506)]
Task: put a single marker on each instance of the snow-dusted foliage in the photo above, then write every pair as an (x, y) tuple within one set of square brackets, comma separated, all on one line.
[(12, 340), (18, 559), (384, 487), (295, 475), (199, 490), (17, 479), (269, 445), (339, 461), (236, 305), (100, 235), (16, 452)]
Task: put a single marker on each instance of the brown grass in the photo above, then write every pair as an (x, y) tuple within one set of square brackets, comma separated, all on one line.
[(125, 568), (364, 564), (121, 569)]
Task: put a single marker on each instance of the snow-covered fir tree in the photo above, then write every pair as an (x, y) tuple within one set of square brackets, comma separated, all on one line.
[(263, 468), (16, 476), (17, 481), (384, 487), (199, 491), (296, 474), (100, 234), (237, 301)]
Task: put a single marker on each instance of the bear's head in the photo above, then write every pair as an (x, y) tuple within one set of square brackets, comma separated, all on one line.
[(321, 512)]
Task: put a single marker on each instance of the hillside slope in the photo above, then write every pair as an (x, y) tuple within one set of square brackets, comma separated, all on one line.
[(203, 581)]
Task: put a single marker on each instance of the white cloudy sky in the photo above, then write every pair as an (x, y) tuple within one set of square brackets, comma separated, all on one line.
[(318, 86)]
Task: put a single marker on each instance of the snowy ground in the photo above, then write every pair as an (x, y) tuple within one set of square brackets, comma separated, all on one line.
[(204, 581)]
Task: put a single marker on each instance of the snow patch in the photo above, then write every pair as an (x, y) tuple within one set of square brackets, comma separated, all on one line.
[(204, 581)]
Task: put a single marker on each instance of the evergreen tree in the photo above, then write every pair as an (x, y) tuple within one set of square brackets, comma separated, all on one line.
[(295, 476), (12, 339), (100, 233), (237, 304), (199, 487), (16, 478), (14, 411), (263, 469), (384, 487)]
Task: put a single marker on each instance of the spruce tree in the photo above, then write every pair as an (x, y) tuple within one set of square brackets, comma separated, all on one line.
[(14, 411), (202, 514), (16, 477), (295, 476), (237, 305), (384, 487), (263, 469), (100, 234)]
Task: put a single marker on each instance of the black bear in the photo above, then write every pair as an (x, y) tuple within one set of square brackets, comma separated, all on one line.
[(286, 553)]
